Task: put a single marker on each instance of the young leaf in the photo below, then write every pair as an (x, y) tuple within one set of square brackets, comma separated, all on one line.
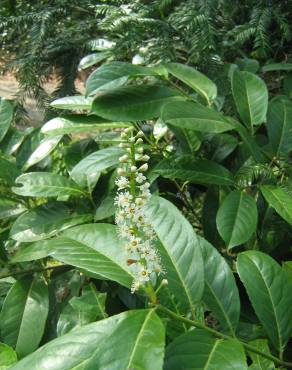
[(130, 340), (24, 314), (277, 67), (269, 292), (6, 115), (200, 171), (7, 356), (45, 221), (251, 97), (45, 184), (179, 249), (91, 59), (77, 102), (279, 125), (195, 79), (193, 116), (280, 200), (94, 248), (237, 218), (96, 162), (42, 151), (220, 293), (198, 349), (112, 75), (133, 103)]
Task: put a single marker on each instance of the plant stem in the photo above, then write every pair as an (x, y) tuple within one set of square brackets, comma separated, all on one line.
[(29, 271), (223, 336)]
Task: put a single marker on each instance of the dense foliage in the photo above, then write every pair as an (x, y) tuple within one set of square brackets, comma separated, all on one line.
[(220, 215)]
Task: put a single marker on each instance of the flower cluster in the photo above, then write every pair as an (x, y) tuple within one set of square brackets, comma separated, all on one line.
[(133, 193)]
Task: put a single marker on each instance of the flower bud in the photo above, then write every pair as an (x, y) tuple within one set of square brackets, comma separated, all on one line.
[(139, 141), (131, 140), (139, 201), (143, 168), (133, 169), (140, 134), (140, 150), (145, 158), (164, 282), (121, 172), (124, 135), (128, 130), (123, 158)]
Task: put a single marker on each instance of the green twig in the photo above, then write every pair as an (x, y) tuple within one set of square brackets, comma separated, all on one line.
[(32, 270), (223, 336)]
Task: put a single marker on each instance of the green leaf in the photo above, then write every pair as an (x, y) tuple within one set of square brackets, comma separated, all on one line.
[(130, 340), (195, 79), (24, 314), (199, 350), (200, 171), (42, 151), (193, 116), (251, 97), (277, 67), (220, 293), (6, 115), (10, 208), (260, 361), (96, 162), (269, 292), (76, 102), (246, 64), (8, 171), (82, 310), (75, 124), (13, 139), (106, 208), (237, 218), (280, 200), (115, 74), (45, 184), (45, 221), (91, 59), (279, 125), (179, 249), (7, 356), (94, 248), (132, 103)]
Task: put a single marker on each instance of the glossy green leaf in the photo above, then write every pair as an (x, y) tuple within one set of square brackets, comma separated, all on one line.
[(269, 292), (279, 199), (7, 356), (42, 151), (199, 350), (237, 218), (92, 59), (106, 208), (96, 162), (193, 116), (45, 221), (132, 103), (251, 97), (220, 293), (75, 124), (279, 125), (115, 74), (130, 340), (6, 115), (195, 79), (24, 314), (261, 362), (77, 102), (45, 184), (200, 171), (94, 248), (277, 67), (179, 249), (82, 310), (13, 139), (8, 171), (10, 207)]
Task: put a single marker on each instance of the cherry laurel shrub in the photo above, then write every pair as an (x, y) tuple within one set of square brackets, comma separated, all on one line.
[(148, 225)]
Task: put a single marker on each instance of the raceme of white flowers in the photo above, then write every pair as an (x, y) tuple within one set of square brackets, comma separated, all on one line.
[(132, 195)]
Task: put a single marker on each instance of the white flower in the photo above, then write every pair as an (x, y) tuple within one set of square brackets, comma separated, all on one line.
[(122, 182), (135, 286), (140, 178), (143, 274), (123, 199)]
